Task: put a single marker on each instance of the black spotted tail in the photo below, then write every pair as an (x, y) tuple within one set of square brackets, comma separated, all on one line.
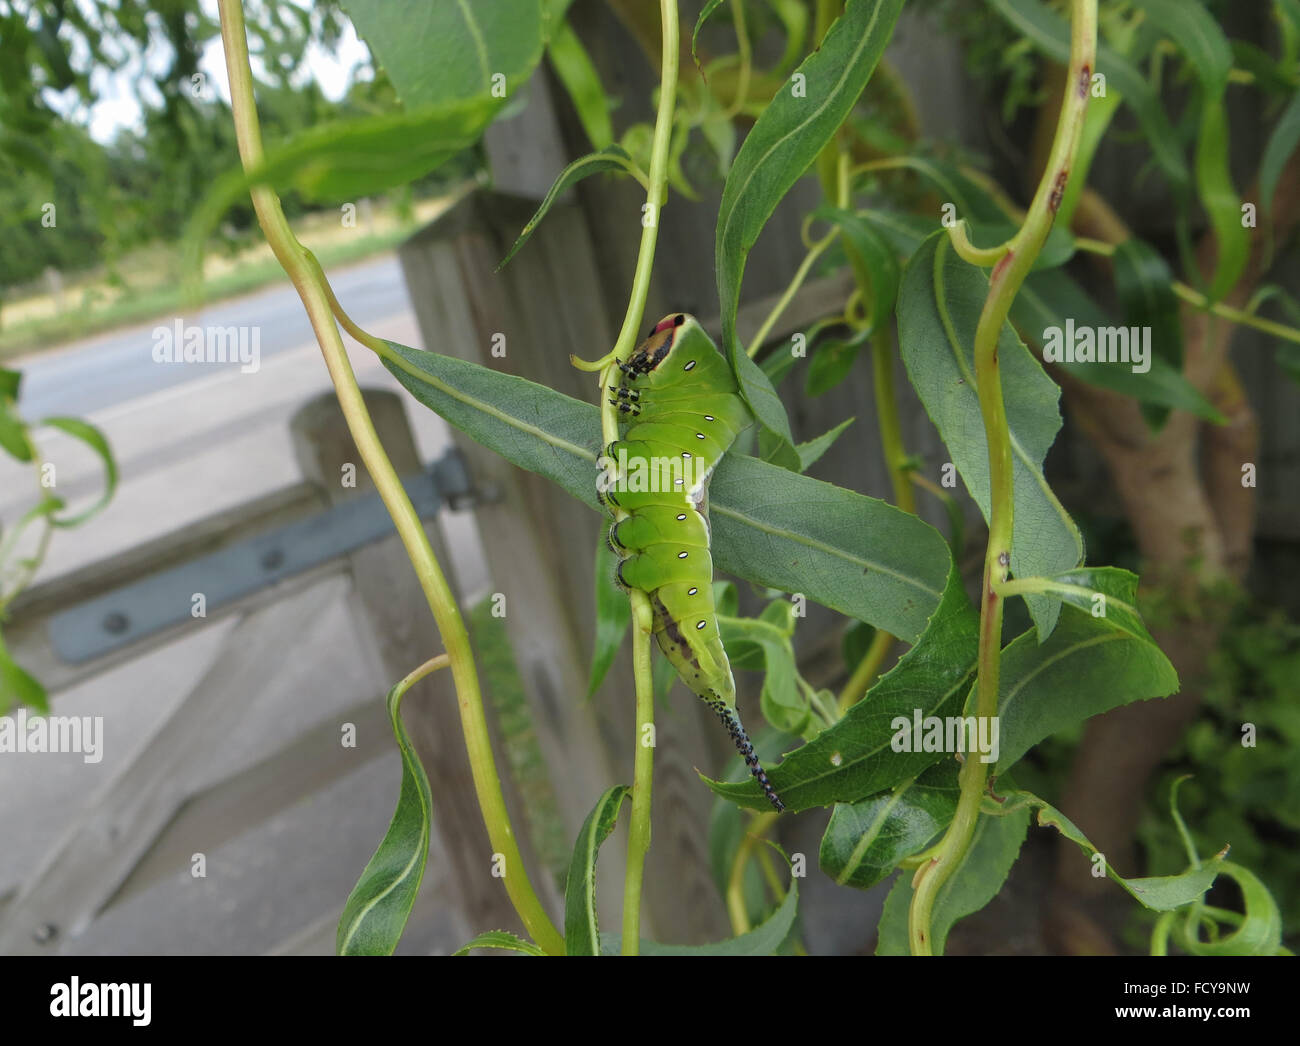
[(731, 720)]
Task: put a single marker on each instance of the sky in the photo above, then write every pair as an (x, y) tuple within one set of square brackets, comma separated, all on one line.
[(118, 104)]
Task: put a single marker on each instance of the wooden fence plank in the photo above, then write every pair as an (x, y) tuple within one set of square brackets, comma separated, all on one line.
[(85, 869)]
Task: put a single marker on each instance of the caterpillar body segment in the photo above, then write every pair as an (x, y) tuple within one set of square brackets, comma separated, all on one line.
[(682, 411)]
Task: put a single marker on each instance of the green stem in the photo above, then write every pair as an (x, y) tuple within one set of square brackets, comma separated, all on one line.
[(638, 835), (638, 843), (1246, 319), (1195, 298), (983, 257), (745, 53), (657, 193), (307, 280), (887, 417), (1007, 277), (828, 159), (814, 252), (736, 910), (868, 668)]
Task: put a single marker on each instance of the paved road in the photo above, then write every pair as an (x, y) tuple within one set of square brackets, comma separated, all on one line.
[(116, 367)]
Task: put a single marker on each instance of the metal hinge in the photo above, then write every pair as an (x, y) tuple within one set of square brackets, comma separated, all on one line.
[(127, 614)]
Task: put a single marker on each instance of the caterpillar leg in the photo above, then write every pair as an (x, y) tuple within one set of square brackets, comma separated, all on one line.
[(731, 720)]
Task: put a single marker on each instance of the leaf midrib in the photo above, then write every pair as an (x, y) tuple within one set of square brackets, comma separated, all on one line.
[(867, 38), (480, 45)]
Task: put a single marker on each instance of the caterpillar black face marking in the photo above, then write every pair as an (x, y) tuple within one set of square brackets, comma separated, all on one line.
[(672, 381)]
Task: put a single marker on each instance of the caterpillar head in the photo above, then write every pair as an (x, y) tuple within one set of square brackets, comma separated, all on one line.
[(656, 353)]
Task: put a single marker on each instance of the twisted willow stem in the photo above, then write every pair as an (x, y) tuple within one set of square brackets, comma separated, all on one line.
[(1008, 275)]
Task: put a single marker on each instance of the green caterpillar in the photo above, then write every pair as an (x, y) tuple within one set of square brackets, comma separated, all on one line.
[(684, 411)]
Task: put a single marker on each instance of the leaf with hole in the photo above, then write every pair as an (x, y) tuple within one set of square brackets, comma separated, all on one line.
[(856, 757), (865, 841)]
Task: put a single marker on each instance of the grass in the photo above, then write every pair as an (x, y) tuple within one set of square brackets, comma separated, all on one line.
[(96, 305)]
